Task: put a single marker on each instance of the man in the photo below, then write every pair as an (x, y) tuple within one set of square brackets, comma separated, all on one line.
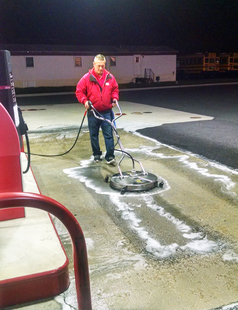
[(100, 88)]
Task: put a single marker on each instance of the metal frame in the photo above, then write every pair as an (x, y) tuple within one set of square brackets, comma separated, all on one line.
[(128, 181), (122, 150), (20, 199)]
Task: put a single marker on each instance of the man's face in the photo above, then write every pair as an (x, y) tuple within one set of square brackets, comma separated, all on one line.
[(99, 67)]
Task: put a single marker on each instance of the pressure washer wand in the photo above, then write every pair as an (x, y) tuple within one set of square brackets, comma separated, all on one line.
[(130, 180), (122, 150), (98, 115)]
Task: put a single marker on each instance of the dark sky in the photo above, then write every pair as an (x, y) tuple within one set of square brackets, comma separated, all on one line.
[(185, 25)]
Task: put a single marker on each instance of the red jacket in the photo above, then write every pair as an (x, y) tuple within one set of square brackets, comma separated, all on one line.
[(88, 88)]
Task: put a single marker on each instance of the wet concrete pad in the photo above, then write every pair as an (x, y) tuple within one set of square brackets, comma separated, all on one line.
[(174, 248)]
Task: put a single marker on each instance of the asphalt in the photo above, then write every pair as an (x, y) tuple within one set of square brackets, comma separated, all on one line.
[(215, 140)]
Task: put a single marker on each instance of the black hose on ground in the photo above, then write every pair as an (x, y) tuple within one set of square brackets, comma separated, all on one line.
[(54, 155)]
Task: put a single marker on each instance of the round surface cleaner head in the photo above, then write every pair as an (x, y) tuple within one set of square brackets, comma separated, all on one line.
[(133, 181)]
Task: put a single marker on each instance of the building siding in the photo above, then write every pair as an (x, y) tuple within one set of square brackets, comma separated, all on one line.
[(60, 70)]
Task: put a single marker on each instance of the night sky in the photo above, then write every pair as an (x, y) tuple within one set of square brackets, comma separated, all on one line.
[(188, 26)]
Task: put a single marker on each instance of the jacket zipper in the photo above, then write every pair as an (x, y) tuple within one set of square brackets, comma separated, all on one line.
[(103, 83)]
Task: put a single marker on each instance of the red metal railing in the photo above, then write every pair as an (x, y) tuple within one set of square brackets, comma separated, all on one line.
[(19, 199)]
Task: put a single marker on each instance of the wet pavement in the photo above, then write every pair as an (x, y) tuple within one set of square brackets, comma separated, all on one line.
[(169, 248)]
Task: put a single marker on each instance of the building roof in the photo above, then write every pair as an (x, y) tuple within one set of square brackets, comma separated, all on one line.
[(24, 49)]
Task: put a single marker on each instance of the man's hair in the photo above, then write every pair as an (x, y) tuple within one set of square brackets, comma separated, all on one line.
[(99, 57)]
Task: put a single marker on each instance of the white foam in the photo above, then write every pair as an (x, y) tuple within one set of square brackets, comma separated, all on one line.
[(230, 256), (203, 246), (179, 224), (197, 235), (233, 306), (197, 242), (225, 181), (89, 243), (81, 173)]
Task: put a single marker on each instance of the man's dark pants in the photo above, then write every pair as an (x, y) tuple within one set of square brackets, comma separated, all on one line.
[(94, 125)]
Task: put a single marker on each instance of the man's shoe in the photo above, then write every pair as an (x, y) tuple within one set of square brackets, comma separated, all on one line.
[(97, 158), (111, 161)]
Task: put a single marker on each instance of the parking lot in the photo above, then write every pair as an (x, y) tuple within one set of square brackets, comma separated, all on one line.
[(169, 248)]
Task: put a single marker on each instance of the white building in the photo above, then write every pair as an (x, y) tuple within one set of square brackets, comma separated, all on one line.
[(41, 65)]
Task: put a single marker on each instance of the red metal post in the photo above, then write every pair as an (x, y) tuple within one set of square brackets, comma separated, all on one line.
[(21, 199), (10, 164)]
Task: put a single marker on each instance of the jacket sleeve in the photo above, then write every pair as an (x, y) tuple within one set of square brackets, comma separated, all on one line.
[(115, 89), (81, 89)]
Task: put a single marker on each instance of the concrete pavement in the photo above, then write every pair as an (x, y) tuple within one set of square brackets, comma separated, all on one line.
[(170, 248)]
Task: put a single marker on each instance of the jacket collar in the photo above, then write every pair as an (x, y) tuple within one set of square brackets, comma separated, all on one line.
[(93, 78)]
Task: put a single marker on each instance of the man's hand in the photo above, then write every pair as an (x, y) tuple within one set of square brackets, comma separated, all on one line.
[(114, 102), (87, 105)]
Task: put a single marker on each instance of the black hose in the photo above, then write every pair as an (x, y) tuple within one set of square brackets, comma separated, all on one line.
[(28, 153), (55, 155), (127, 154)]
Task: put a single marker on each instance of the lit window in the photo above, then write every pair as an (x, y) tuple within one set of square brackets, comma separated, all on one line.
[(29, 62), (78, 61), (113, 61)]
